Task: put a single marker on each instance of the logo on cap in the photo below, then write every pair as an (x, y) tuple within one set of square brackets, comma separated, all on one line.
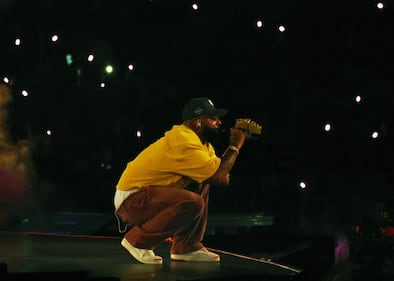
[(198, 111)]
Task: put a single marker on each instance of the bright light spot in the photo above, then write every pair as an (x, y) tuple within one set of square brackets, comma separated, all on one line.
[(102, 85), (18, 41), (358, 99), (130, 67), (109, 69), (282, 28), (375, 135), (6, 80), (55, 38), (327, 127), (380, 5), (195, 6), (69, 59), (259, 24), (90, 58), (303, 185), (139, 134), (25, 93), (49, 132)]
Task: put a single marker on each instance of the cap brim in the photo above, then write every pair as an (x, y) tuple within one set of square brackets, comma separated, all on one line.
[(219, 112)]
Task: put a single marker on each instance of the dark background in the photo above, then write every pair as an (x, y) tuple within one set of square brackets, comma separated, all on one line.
[(292, 83)]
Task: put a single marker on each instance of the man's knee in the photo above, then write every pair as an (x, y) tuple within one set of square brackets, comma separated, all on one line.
[(197, 204)]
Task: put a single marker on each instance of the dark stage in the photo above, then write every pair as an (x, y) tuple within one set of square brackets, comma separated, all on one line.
[(62, 252), (86, 246), (93, 257)]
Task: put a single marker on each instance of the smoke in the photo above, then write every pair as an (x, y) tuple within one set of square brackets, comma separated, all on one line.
[(15, 168)]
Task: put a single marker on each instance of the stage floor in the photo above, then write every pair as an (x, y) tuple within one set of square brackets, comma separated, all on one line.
[(82, 257)]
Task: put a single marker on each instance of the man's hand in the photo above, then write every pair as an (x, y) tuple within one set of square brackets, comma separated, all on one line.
[(238, 137)]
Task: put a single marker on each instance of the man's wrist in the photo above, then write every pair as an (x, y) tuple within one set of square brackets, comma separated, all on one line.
[(234, 148)]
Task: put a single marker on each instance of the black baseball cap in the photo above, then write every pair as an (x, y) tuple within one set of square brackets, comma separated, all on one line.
[(201, 106)]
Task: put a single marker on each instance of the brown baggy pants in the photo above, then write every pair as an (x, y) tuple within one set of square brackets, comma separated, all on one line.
[(156, 213)]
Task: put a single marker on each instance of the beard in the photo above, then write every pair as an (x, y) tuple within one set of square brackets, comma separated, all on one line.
[(210, 134)]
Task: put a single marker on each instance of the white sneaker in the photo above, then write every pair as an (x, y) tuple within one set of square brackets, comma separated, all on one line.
[(200, 255), (142, 255)]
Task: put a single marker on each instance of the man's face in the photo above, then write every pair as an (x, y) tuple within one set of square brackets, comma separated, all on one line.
[(210, 127)]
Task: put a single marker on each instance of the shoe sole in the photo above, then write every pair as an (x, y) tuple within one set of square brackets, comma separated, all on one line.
[(131, 252), (191, 259)]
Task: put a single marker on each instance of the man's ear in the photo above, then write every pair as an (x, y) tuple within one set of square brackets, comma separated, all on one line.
[(198, 123)]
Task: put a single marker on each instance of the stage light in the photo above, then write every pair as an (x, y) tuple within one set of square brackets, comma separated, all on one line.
[(24, 93), (195, 6), (6, 80), (90, 58), (375, 134), (130, 67), (282, 28), (55, 38), (302, 185), (259, 24), (138, 134), (69, 59), (327, 127), (18, 42), (109, 69), (49, 132), (380, 5), (102, 85), (358, 99)]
